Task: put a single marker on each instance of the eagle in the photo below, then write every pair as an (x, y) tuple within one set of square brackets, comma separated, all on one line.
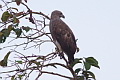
[(62, 35)]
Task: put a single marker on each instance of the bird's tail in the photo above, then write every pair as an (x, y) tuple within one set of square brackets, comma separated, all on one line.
[(71, 59)]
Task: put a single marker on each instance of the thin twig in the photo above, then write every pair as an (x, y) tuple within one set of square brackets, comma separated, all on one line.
[(57, 74)]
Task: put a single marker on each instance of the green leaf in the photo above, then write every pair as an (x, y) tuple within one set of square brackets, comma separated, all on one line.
[(1, 34), (0, 77), (20, 77), (92, 61), (2, 37), (33, 61), (20, 62), (87, 65), (15, 20), (76, 61), (91, 74), (5, 60), (5, 16), (6, 32), (80, 77), (10, 28), (12, 78), (37, 63), (18, 32), (26, 28), (77, 70)]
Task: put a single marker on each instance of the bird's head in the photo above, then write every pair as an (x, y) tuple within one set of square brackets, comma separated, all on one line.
[(57, 14)]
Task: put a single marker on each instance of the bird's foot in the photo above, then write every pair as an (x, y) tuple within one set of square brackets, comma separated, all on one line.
[(56, 49), (61, 55)]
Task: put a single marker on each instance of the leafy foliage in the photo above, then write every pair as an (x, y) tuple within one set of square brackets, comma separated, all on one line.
[(26, 28), (90, 61), (19, 62), (5, 16), (85, 73), (11, 28), (18, 32), (76, 61), (4, 62)]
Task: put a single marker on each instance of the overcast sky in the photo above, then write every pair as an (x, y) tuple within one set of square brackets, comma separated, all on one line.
[(96, 25)]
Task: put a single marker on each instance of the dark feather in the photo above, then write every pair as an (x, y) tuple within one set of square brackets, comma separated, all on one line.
[(64, 36)]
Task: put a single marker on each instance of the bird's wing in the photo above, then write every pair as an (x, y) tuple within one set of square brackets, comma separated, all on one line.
[(64, 36)]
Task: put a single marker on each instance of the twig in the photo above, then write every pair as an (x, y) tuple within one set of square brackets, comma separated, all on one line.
[(57, 74)]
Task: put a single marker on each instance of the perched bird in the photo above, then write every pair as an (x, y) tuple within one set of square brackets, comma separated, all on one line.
[(62, 35)]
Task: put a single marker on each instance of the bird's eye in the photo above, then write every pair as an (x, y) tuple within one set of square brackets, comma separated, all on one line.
[(61, 14)]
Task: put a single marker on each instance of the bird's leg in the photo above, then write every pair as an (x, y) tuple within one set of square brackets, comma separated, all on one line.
[(60, 53), (56, 50)]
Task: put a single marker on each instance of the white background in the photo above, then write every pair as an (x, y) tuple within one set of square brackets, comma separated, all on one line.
[(96, 25)]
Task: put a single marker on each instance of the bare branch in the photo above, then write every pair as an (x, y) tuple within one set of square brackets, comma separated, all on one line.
[(57, 74)]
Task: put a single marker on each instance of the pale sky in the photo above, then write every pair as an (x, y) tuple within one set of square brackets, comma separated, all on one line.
[(96, 25)]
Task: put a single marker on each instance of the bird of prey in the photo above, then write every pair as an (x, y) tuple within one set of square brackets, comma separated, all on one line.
[(62, 35)]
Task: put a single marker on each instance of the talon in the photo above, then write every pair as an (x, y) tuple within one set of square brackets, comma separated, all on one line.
[(61, 55)]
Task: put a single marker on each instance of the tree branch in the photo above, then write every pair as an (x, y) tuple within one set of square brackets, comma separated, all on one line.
[(57, 74)]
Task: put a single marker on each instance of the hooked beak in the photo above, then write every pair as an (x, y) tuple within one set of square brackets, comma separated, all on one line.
[(62, 16)]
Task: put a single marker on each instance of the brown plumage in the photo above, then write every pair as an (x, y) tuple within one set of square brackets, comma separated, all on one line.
[(62, 35)]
